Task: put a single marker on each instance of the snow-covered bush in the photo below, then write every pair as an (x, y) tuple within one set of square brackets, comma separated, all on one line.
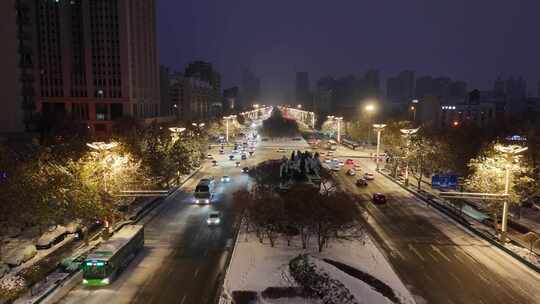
[(329, 290), (3, 269), (19, 255), (11, 287)]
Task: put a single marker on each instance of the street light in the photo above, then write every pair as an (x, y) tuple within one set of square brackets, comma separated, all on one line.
[(338, 119), (407, 133), (102, 146), (369, 108), (227, 118), (413, 109), (176, 133), (299, 106), (378, 128), (510, 152)]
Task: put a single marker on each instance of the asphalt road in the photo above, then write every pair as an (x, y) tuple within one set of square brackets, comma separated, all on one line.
[(437, 260), (183, 258)]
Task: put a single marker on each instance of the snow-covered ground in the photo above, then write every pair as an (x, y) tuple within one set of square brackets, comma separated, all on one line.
[(285, 142), (255, 267)]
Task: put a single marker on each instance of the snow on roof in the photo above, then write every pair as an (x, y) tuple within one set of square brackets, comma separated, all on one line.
[(115, 243)]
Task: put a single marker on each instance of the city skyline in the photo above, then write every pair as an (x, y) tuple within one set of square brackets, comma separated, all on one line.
[(457, 40)]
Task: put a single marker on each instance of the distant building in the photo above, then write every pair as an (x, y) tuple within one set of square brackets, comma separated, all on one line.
[(401, 87), (167, 108), (371, 84), (250, 90), (447, 90), (428, 109), (96, 61), (455, 115), (195, 98), (302, 92), (18, 61), (231, 96), (205, 72), (324, 95)]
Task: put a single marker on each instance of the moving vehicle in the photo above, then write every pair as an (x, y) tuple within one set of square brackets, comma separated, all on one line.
[(349, 162), (369, 176), (379, 199), (351, 172), (361, 182), (335, 168), (214, 163), (245, 170), (209, 156), (225, 179), (204, 191), (244, 156), (214, 218), (221, 151), (103, 265), (238, 164), (231, 157), (331, 145)]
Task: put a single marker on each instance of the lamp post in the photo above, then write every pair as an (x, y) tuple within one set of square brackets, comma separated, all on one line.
[(227, 118), (378, 128), (413, 108), (510, 152), (407, 134), (176, 132), (338, 120), (369, 109)]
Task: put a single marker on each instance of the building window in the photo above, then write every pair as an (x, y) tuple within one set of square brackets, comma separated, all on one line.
[(101, 111), (116, 111)]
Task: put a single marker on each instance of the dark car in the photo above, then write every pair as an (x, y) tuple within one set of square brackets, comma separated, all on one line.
[(231, 157), (379, 199), (361, 182), (245, 170), (244, 157), (214, 163)]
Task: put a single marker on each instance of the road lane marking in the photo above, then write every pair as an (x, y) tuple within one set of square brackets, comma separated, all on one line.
[(196, 272), (441, 253), (411, 247)]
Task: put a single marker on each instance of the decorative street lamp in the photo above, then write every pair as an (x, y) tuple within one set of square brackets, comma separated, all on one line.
[(338, 120), (407, 133), (227, 118), (510, 152), (369, 108), (378, 128), (102, 146), (176, 132)]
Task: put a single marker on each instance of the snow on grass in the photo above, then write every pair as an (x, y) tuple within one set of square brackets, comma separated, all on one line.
[(255, 266)]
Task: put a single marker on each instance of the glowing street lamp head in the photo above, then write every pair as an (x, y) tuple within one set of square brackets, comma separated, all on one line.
[(379, 126), (177, 130), (299, 106), (415, 101), (408, 132), (511, 149), (102, 146), (330, 117), (369, 107)]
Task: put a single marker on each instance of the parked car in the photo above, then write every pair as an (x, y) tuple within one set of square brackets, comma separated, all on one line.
[(221, 151), (214, 163), (379, 199), (238, 164), (244, 156), (52, 237), (361, 182), (369, 176), (209, 156), (231, 157), (349, 162), (351, 172), (336, 168)]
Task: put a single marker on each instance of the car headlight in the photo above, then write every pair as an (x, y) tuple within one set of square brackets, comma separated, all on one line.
[(217, 221), (85, 281), (105, 281)]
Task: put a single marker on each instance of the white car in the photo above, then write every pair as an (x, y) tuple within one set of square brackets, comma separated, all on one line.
[(214, 218), (209, 156), (225, 179), (369, 176), (327, 161), (336, 168), (351, 172)]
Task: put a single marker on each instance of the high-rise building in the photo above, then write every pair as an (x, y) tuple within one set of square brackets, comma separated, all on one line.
[(516, 89), (401, 87), (302, 93), (97, 60), (538, 89), (205, 72), (457, 90), (250, 90), (167, 108), (17, 59), (372, 83), (194, 98)]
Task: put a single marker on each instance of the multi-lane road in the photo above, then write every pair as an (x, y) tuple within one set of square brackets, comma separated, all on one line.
[(439, 261), (183, 259)]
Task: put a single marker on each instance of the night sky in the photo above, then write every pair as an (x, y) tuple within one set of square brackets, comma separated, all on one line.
[(471, 40)]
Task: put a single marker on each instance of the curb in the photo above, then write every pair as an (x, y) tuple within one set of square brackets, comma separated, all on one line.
[(463, 222), (223, 292)]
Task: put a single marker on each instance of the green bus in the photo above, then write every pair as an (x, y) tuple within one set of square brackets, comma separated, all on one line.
[(105, 263)]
